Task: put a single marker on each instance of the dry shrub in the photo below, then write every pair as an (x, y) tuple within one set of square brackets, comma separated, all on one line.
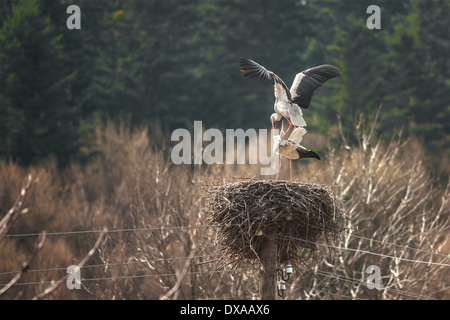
[(169, 235), (395, 208), (117, 148), (68, 200), (11, 259), (295, 215), (48, 200), (54, 253), (162, 242)]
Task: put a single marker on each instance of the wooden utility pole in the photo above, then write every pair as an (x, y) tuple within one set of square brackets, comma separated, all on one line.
[(268, 274)]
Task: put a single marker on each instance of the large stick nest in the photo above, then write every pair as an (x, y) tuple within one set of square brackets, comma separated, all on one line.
[(296, 215)]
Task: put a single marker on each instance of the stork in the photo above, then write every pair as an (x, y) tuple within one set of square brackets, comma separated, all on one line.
[(290, 102), (291, 148)]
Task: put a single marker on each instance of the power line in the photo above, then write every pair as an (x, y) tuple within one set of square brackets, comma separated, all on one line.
[(369, 252), (353, 280), (120, 277), (392, 257), (209, 272), (208, 226), (57, 233), (401, 246), (108, 264), (331, 293), (197, 273), (203, 226), (201, 256)]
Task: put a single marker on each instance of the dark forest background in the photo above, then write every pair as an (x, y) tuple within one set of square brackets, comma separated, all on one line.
[(164, 64), (88, 114)]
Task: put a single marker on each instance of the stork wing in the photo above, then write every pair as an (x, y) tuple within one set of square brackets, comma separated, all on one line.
[(305, 153), (253, 69), (309, 80), (297, 135)]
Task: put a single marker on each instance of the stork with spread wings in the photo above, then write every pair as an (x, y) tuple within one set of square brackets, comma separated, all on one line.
[(290, 102)]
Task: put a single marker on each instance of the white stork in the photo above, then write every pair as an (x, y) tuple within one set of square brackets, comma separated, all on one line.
[(289, 102), (291, 148)]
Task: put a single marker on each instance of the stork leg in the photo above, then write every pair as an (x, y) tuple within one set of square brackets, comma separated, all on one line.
[(290, 125), (290, 162), (279, 169)]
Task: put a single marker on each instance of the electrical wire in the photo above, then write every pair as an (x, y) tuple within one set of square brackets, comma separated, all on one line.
[(121, 277), (369, 252), (107, 264), (356, 281), (401, 246), (209, 272), (58, 233), (209, 226)]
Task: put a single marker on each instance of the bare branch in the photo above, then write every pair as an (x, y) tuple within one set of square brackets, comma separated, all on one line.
[(56, 284), (16, 210), (26, 264), (182, 275)]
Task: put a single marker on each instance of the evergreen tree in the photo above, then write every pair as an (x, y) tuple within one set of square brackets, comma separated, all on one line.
[(36, 119)]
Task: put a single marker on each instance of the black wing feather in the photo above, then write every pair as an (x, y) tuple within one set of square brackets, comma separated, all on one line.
[(253, 69), (312, 79), (305, 153)]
